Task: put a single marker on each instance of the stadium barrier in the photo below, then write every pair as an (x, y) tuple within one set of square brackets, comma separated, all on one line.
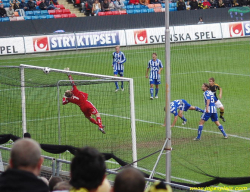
[(121, 22), (53, 167), (109, 171), (129, 37), (48, 168)]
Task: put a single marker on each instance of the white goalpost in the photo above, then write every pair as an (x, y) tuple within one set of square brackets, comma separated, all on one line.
[(41, 96)]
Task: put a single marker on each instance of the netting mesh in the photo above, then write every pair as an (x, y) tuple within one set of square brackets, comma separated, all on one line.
[(50, 122), (192, 63)]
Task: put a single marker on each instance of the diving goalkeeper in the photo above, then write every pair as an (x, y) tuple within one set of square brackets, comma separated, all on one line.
[(81, 99)]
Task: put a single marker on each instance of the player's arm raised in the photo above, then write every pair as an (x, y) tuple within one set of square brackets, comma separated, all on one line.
[(71, 80), (65, 101), (70, 77)]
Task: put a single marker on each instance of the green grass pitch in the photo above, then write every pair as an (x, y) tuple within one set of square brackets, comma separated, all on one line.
[(192, 64)]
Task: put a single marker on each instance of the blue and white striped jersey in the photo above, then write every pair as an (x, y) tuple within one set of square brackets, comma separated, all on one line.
[(154, 67), (174, 106), (209, 95), (118, 57)]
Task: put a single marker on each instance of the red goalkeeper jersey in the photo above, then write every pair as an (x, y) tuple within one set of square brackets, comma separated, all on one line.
[(79, 98)]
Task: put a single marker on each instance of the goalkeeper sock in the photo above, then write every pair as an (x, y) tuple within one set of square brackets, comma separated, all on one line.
[(156, 91), (93, 121), (99, 122), (199, 131), (152, 92), (222, 130), (122, 84), (116, 84), (198, 109)]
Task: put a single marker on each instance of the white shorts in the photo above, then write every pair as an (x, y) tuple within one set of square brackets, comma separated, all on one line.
[(218, 104)]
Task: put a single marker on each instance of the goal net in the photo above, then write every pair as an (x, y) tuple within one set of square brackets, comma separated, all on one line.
[(32, 102)]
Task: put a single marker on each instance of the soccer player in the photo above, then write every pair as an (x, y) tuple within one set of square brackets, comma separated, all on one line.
[(181, 105), (155, 66), (81, 99), (118, 60), (210, 112), (214, 87)]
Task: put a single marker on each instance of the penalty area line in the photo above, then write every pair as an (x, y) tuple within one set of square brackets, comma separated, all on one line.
[(180, 127), (195, 72), (128, 118), (219, 133), (227, 73)]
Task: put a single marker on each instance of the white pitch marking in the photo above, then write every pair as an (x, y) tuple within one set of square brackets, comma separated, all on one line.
[(178, 178), (226, 73), (193, 129), (234, 74), (158, 173), (128, 118), (139, 120)]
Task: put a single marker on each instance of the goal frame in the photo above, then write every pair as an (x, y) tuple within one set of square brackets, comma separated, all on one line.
[(104, 77)]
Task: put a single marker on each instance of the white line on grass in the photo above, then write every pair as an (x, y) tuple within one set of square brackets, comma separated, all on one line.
[(181, 127), (234, 74), (57, 58), (162, 174), (42, 119), (10, 89), (143, 169), (226, 73), (245, 138), (187, 73), (138, 120), (128, 118)]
